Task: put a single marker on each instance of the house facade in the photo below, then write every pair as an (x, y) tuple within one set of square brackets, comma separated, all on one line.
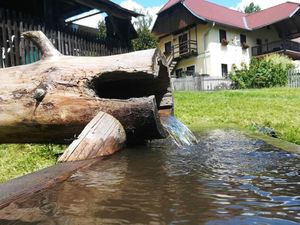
[(199, 37)]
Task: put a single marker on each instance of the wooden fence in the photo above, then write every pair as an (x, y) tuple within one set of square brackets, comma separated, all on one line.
[(200, 83), (294, 78), (14, 50)]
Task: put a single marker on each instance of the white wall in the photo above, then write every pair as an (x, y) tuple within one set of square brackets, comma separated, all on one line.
[(211, 57), (233, 54)]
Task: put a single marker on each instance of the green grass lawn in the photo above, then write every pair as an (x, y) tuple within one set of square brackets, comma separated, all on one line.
[(17, 160), (275, 108)]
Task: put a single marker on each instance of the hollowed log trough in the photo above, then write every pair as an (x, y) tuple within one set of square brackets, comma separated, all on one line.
[(52, 100)]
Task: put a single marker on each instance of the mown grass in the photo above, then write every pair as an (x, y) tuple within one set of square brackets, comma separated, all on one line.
[(277, 108), (17, 160)]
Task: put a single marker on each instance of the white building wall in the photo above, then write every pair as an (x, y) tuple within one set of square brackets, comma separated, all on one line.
[(213, 55), (233, 54)]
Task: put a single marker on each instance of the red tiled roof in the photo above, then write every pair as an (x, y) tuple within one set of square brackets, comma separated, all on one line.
[(272, 15), (215, 13)]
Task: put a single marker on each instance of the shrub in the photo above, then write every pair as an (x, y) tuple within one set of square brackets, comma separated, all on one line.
[(270, 71)]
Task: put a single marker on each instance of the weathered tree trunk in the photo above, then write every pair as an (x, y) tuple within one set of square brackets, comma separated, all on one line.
[(103, 136), (55, 98)]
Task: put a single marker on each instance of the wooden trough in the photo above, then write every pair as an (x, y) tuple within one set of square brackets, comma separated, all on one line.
[(51, 101)]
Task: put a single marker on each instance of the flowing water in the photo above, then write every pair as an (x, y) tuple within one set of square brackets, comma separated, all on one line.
[(180, 134), (226, 178)]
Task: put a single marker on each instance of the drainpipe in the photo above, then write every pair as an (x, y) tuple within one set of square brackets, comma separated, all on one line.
[(205, 47)]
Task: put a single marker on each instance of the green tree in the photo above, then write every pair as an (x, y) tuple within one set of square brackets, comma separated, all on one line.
[(145, 39), (251, 8), (102, 29)]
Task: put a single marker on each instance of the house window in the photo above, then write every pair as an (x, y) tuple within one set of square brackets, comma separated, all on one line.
[(183, 43), (190, 70), (243, 39), (168, 48), (178, 73), (258, 41), (259, 47), (224, 70), (223, 35)]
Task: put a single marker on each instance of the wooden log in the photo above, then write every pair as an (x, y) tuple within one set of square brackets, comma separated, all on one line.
[(103, 136), (55, 98)]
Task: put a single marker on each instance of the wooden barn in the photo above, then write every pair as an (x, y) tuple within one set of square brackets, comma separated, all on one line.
[(70, 39)]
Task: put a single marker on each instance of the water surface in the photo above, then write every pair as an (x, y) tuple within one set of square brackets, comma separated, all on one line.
[(226, 178)]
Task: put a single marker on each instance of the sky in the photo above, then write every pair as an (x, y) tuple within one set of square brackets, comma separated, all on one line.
[(151, 7)]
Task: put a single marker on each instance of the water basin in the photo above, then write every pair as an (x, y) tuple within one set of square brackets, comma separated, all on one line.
[(226, 178)]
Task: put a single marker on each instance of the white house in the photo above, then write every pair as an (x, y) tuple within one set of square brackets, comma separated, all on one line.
[(201, 37)]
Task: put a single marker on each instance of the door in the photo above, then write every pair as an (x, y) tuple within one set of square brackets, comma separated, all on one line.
[(183, 43)]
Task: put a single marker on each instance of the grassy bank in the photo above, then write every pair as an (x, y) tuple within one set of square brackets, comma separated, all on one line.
[(277, 108), (17, 160)]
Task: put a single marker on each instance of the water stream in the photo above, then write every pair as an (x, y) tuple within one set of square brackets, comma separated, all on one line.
[(180, 133), (226, 178)]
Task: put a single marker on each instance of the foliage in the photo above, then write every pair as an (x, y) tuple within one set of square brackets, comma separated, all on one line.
[(145, 39), (251, 8), (274, 108), (270, 71), (102, 29)]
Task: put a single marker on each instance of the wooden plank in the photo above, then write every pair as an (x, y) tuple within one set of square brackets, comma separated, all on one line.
[(59, 40), (103, 136), (4, 39), (75, 45), (26, 46), (39, 55), (31, 60), (34, 48), (1, 51), (1, 61), (69, 45), (17, 43), (10, 40), (29, 185), (62, 43), (22, 44)]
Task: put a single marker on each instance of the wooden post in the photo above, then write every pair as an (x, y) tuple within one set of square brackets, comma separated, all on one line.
[(103, 136)]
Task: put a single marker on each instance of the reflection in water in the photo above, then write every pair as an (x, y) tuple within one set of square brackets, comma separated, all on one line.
[(181, 134), (226, 178)]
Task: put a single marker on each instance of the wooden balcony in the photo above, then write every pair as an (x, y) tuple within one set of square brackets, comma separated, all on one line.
[(185, 49), (287, 47)]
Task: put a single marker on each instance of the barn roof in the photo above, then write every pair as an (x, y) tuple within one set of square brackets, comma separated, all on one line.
[(63, 9)]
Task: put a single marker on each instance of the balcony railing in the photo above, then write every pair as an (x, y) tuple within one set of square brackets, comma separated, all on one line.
[(185, 49), (276, 46)]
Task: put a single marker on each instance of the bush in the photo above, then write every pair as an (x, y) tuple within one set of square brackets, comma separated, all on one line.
[(270, 71)]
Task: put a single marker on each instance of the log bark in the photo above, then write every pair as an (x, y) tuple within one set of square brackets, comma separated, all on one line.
[(53, 99), (103, 136)]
